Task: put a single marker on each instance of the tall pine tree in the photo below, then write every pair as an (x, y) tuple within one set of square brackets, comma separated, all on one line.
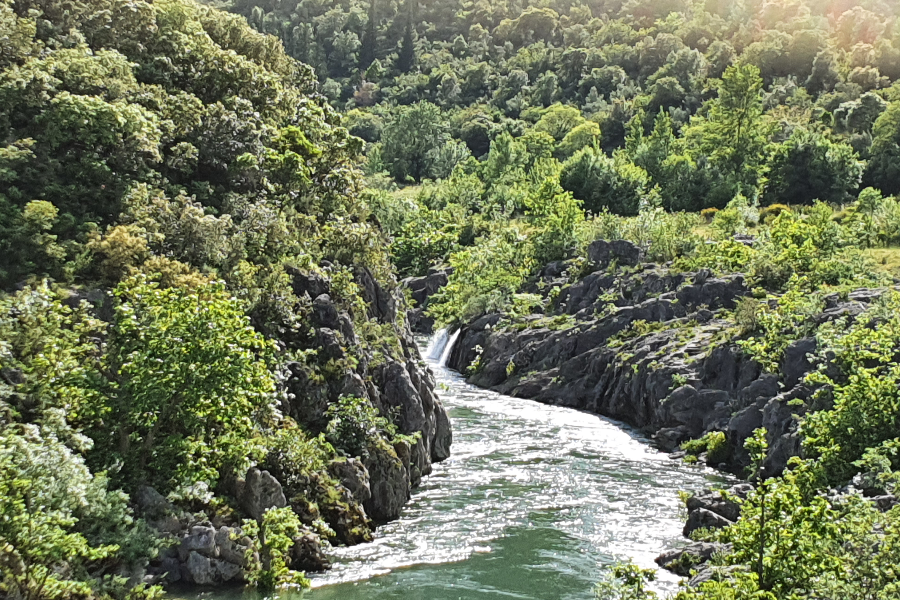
[(407, 55), (367, 50)]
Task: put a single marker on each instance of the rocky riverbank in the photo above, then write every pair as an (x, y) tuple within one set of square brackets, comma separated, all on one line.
[(648, 345), (205, 546)]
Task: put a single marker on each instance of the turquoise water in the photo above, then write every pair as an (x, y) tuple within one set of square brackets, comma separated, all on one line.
[(533, 504)]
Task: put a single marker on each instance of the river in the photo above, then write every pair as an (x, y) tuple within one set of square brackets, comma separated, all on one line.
[(533, 504)]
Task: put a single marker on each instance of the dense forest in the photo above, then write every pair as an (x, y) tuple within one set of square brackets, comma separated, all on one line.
[(207, 371), (199, 320), (756, 141)]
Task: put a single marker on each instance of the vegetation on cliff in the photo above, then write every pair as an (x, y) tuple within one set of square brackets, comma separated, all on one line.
[(176, 203), (198, 281), (523, 132)]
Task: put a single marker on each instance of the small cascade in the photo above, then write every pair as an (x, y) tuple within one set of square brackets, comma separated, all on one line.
[(436, 345), (448, 348), (440, 346)]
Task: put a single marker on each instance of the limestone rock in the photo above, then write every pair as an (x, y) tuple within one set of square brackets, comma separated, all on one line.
[(308, 555), (717, 503), (200, 539), (681, 560), (352, 474), (388, 480), (704, 519), (601, 253), (259, 492)]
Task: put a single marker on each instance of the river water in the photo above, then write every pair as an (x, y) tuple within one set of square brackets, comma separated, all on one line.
[(534, 503)]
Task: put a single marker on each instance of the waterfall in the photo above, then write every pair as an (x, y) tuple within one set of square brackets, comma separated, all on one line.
[(440, 346), (436, 345)]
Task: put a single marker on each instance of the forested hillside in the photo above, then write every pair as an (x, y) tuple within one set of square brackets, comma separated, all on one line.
[(680, 214), (198, 323)]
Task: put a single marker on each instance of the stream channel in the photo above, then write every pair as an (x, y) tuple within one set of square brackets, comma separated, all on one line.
[(534, 503)]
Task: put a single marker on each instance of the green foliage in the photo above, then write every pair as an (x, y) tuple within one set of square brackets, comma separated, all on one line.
[(779, 325), (49, 499), (354, 424), (713, 443), (626, 581), (557, 215), (735, 131), (864, 396), (485, 276), (268, 555), (601, 182), (808, 167), (425, 241), (664, 236), (53, 350), (411, 140), (188, 380)]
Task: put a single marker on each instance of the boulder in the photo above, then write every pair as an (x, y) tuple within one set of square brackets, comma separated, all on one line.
[(715, 573), (796, 363), (388, 480), (258, 492), (715, 502), (200, 539), (682, 560), (308, 555), (307, 284), (229, 549), (202, 570), (602, 253), (151, 504), (702, 518), (352, 474)]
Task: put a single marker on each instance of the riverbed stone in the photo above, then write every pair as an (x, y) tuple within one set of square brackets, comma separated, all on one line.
[(682, 560), (704, 519)]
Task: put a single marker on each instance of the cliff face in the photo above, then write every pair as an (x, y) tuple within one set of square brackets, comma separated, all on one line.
[(392, 377), (341, 360)]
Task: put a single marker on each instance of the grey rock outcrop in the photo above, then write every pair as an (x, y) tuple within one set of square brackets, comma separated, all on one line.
[(682, 560), (421, 290), (602, 253), (258, 492), (652, 347), (396, 382), (704, 519)]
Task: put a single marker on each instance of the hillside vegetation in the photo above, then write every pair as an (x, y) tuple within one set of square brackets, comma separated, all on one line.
[(206, 368), (755, 141), (197, 316)]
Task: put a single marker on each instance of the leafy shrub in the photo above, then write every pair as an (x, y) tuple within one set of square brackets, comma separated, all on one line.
[(771, 211), (708, 214), (353, 424), (602, 182), (268, 555), (778, 326), (485, 276), (183, 420), (49, 495)]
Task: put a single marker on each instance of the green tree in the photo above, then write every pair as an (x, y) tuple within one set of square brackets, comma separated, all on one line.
[(413, 133), (809, 166), (735, 131), (188, 383), (884, 164), (603, 182)]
